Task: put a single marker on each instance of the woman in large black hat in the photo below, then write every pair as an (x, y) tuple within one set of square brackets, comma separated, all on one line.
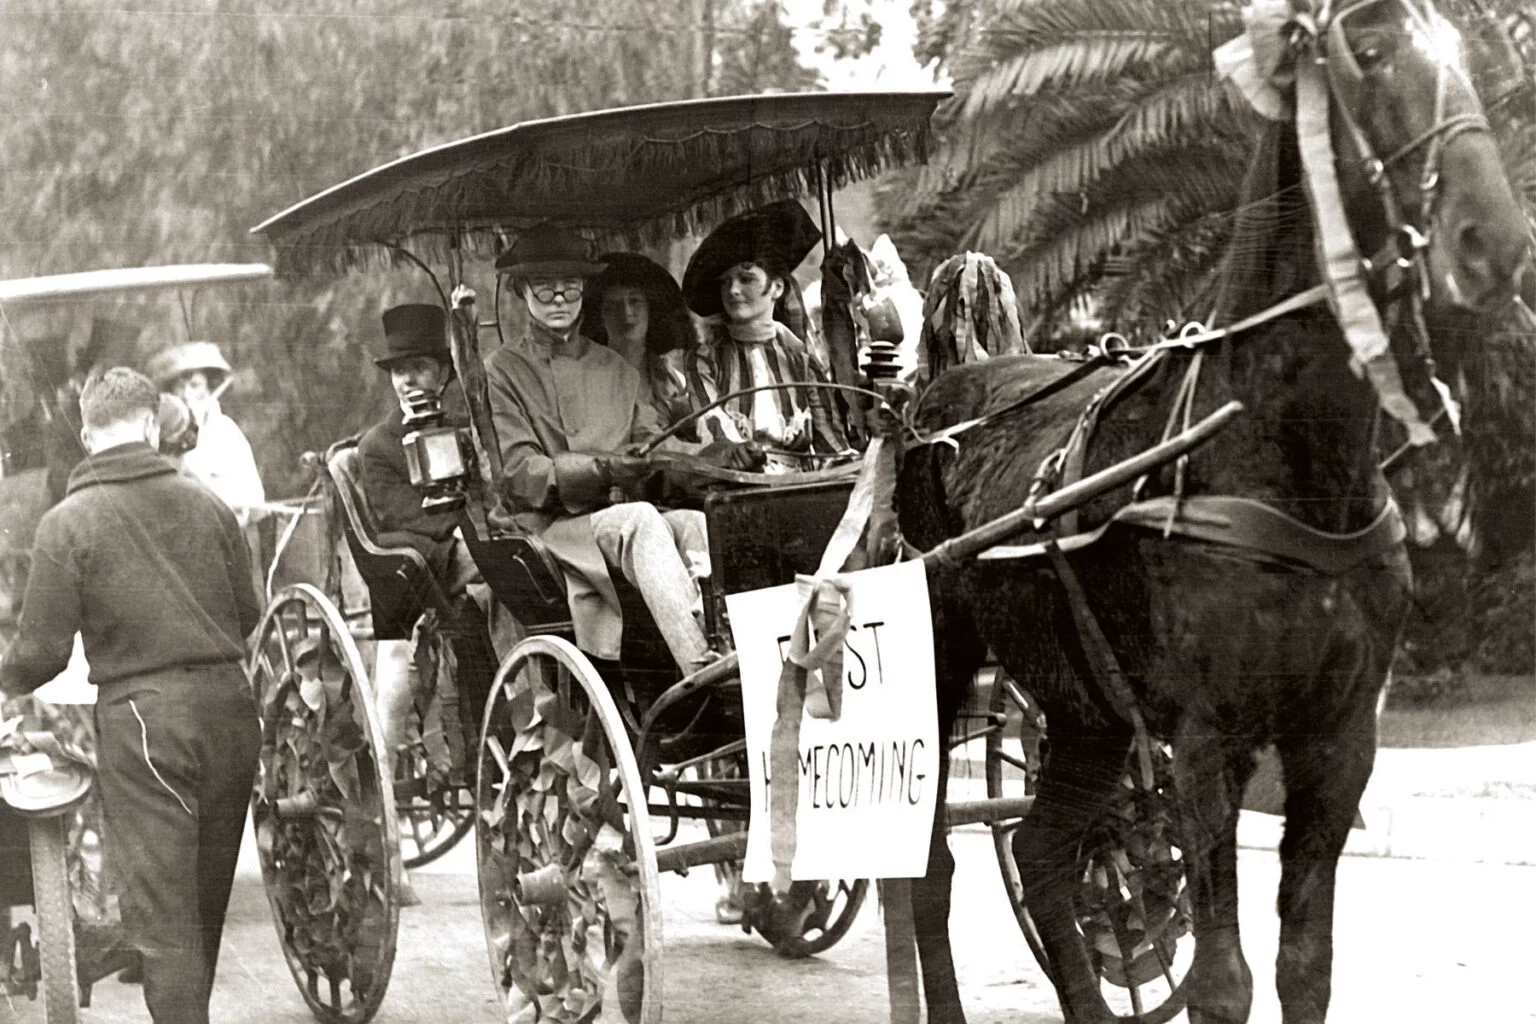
[(637, 310), (740, 281)]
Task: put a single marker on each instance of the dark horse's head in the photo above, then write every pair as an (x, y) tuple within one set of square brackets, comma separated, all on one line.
[(1416, 154)]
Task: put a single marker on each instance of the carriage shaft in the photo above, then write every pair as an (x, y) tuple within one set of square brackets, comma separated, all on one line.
[(733, 846)]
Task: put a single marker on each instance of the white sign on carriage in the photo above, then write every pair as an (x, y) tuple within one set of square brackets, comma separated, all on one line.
[(867, 782)]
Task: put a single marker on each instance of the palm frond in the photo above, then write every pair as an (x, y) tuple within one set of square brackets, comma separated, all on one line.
[(1186, 112), (1043, 272)]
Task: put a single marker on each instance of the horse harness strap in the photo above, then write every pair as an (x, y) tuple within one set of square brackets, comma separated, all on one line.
[(1242, 525), (1082, 371), (1101, 659)]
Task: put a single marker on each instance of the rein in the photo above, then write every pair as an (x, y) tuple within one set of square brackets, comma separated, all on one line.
[(694, 416)]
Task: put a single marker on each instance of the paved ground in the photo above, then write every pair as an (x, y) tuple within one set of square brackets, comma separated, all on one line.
[(1417, 940), (1432, 925)]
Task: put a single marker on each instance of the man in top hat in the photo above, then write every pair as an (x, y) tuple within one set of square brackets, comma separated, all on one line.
[(417, 358), (566, 413)]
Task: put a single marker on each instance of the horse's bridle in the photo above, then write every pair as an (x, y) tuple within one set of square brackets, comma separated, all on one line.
[(1323, 33)]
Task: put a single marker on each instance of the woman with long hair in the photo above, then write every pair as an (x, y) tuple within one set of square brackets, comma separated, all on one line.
[(641, 315)]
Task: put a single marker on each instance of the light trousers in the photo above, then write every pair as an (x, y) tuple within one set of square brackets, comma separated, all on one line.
[(662, 554)]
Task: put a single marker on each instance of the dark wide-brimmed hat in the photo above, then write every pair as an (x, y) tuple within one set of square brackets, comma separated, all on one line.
[(168, 364), (548, 251), (415, 329), (782, 231), (670, 326)]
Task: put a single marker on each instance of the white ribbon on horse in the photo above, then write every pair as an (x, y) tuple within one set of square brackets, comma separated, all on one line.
[(1259, 63), (1256, 60)]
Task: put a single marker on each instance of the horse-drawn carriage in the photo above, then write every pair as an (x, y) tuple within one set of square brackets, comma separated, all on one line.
[(1220, 599), (580, 776)]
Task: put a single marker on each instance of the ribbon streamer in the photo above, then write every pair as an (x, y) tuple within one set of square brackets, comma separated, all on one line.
[(811, 680), (1339, 259)]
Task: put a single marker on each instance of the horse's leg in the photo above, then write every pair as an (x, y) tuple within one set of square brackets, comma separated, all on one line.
[(1078, 778), (930, 914), (1325, 776), (1210, 773), (957, 654)]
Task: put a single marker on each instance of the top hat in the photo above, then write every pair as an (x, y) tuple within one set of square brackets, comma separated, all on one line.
[(169, 363), (782, 231), (548, 250), (415, 329)]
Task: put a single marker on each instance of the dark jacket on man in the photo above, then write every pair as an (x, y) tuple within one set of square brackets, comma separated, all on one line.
[(396, 505), (151, 568), (125, 560)]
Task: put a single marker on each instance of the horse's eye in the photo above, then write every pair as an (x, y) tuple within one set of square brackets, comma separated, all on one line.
[(1370, 57)]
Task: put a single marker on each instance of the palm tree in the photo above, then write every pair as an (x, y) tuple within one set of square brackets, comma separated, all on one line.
[(1092, 150)]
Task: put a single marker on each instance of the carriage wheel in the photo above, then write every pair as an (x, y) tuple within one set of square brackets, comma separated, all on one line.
[(322, 809), (569, 888), (55, 918), (433, 820), (435, 803), (1132, 904), (74, 725), (829, 907)]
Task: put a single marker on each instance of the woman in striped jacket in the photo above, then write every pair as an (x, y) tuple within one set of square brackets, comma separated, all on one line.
[(740, 282)]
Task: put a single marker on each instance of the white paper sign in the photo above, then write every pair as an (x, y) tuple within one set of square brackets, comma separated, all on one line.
[(867, 781)]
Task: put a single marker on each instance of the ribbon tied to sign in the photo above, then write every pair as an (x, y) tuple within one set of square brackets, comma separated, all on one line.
[(811, 680)]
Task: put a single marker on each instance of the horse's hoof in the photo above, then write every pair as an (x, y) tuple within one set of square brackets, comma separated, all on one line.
[(1234, 1013)]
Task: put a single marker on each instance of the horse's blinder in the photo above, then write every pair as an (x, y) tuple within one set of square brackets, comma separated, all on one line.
[(1328, 31)]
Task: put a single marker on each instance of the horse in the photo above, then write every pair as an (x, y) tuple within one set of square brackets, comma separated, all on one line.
[(1126, 630)]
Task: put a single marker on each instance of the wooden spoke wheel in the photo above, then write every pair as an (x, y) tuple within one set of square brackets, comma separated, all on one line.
[(812, 918), (435, 812), (569, 888), (322, 809), (433, 793), (1132, 904), (74, 725)]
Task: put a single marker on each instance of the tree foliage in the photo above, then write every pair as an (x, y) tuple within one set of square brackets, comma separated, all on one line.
[(1092, 151), (141, 134)]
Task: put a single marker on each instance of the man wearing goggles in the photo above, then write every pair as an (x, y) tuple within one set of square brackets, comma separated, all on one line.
[(567, 413)]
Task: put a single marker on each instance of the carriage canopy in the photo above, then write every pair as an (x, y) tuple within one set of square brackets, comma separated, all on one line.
[(631, 176)]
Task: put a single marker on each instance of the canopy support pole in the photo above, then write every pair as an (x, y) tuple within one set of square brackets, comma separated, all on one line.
[(824, 200)]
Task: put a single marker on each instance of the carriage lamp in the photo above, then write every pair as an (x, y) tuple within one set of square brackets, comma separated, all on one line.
[(437, 455)]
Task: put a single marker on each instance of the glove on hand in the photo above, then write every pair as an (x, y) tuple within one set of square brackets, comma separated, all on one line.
[(626, 470), (581, 480), (741, 455)]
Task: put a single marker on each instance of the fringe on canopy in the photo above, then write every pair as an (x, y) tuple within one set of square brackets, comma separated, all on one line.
[(438, 215)]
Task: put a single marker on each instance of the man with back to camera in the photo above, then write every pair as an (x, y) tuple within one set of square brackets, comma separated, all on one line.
[(152, 570)]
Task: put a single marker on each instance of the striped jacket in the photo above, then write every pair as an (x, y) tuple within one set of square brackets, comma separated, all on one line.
[(794, 424)]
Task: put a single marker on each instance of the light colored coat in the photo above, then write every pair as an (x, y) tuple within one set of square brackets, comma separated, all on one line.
[(550, 396)]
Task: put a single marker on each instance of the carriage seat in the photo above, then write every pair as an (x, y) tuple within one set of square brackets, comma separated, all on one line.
[(400, 583), (522, 574)]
